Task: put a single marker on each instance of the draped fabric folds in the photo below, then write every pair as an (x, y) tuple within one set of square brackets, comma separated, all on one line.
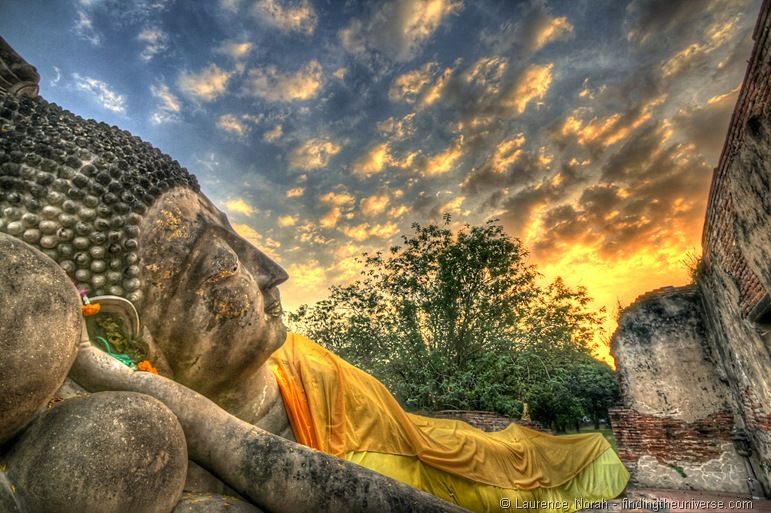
[(341, 410)]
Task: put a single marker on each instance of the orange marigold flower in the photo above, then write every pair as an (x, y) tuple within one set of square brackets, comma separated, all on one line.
[(146, 366), (91, 309)]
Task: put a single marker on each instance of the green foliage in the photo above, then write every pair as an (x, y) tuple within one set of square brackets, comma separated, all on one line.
[(679, 470), (695, 265), (457, 320)]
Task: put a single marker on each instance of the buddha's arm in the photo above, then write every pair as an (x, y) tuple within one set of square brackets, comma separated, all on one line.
[(259, 402), (276, 474)]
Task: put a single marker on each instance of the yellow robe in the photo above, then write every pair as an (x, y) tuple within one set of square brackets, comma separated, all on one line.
[(341, 410)]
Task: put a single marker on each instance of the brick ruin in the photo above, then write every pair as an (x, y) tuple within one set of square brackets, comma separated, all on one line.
[(695, 361)]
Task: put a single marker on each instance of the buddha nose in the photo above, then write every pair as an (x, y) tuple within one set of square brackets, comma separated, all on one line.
[(279, 274), (271, 274)]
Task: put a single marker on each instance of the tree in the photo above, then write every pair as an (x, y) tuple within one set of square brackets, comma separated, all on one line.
[(457, 320), (596, 387)]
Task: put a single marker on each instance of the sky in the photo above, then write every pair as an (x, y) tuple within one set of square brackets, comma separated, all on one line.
[(589, 128)]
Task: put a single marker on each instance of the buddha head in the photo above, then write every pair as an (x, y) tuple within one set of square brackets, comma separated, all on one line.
[(122, 218)]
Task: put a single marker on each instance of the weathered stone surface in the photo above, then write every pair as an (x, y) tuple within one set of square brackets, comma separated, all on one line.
[(720, 474), (736, 274), (17, 76), (110, 452), (658, 337), (213, 503), (674, 428), (201, 481), (278, 475), (39, 331), (77, 190), (9, 499), (683, 395)]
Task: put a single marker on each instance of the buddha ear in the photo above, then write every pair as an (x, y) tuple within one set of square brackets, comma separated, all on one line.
[(124, 309), (127, 313)]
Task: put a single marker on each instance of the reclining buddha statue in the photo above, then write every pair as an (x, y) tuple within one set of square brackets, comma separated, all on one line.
[(274, 417)]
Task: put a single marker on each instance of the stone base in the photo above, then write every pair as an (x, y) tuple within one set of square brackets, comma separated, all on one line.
[(671, 501)]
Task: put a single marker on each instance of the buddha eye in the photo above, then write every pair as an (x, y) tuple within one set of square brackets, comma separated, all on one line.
[(224, 267), (218, 262)]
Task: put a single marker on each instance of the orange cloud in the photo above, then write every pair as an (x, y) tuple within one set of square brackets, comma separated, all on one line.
[(338, 199), (313, 154), (275, 86), (554, 29), (239, 206), (375, 204), (507, 153), (230, 123), (373, 162), (532, 86), (445, 161), (364, 231), (207, 85)]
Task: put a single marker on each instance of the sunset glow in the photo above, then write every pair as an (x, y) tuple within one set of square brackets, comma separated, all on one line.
[(324, 129)]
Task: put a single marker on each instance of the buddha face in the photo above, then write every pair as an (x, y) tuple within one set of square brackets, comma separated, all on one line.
[(211, 298)]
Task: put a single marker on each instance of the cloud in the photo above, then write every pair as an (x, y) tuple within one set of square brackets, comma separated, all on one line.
[(339, 199), (600, 132), (57, 77), (364, 231), (313, 154), (155, 40), (264, 244), (535, 29), (169, 105), (650, 17), (285, 221), (299, 17), (234, 49), (444, 161), (552, 30), (274, 134), (375, 204), (230, 123), (507, 153), (454, 206), (275, 86), (423, 86), (372, 162), (240, 206), (309, 234), (397, 212), (230, 5), (331, 218), (398, 129), (706, 125), (207, 85), (117, 16), (532, 85), (308, 275), (652, 192), (397, 29), (407, 87), (84, 28), (295, 192), (106, 97)]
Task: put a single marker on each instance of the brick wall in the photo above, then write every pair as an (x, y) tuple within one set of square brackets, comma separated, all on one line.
[(484, 420), (668, 439), (719, 238), (755, 412), (736, 280)]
